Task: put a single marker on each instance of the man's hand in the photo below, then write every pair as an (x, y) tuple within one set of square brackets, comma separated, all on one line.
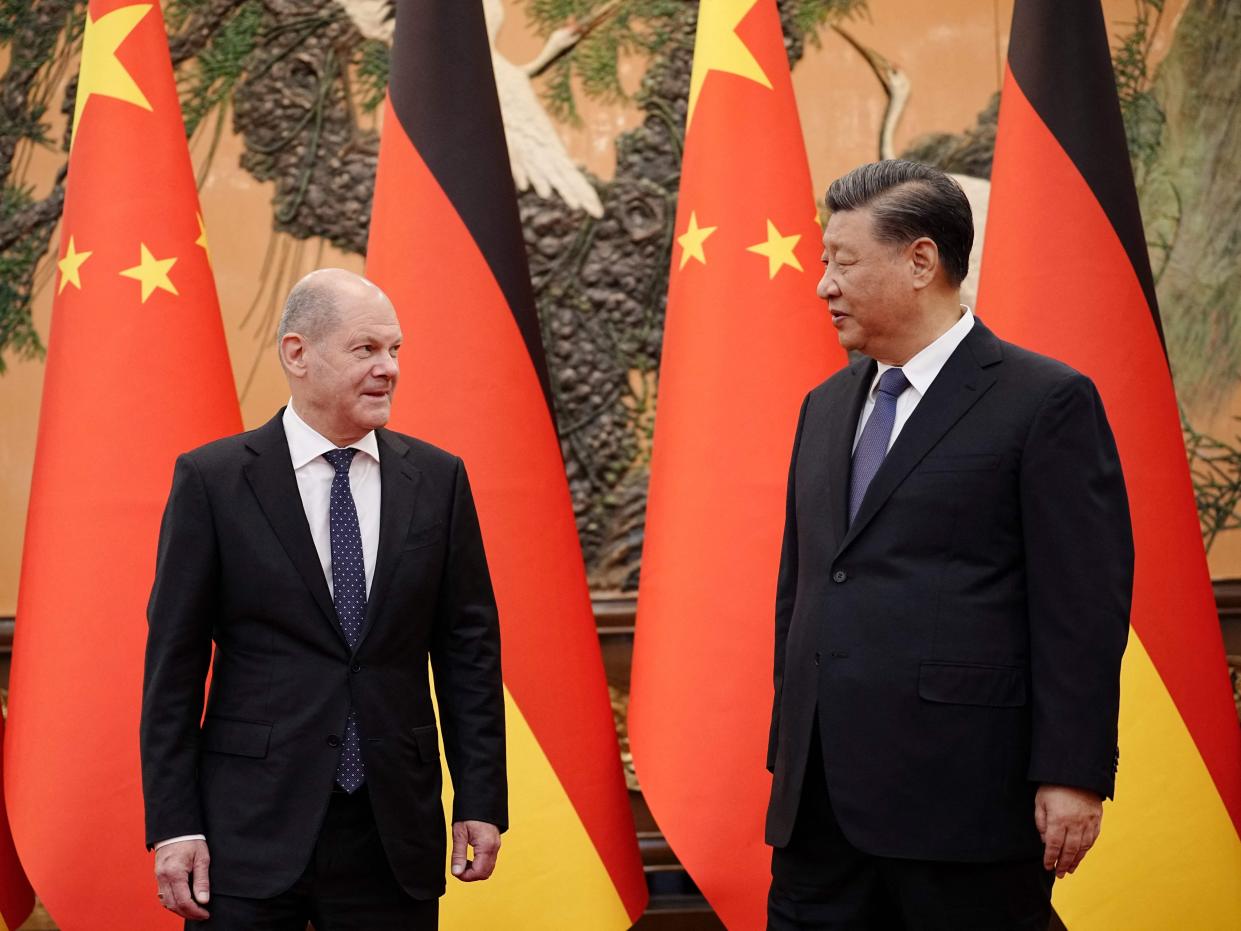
[(485, 839), (176, 867), (1068, 821)]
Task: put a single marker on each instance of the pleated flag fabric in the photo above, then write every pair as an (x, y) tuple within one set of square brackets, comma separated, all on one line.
[(446, 246), (1066, 272), (137, 373), (745, 339)]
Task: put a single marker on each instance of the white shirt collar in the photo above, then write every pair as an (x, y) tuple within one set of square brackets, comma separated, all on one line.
[(307, 444), (925, 365)]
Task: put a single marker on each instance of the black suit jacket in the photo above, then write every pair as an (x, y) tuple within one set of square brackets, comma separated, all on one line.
[(960, 641), (237, 567)]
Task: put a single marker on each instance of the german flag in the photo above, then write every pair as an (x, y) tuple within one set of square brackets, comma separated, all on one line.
[(1066, 272), (744, 340), (446, 246), (137, 373)]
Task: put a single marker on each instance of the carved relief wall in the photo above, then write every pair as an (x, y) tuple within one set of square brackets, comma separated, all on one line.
[(282, 98)]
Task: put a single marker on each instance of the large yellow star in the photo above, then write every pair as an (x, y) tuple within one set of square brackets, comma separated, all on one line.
[(202, 237), (102, 73), (718, 48), (778, 249), (69, 267), (692, 239), (152, 272)]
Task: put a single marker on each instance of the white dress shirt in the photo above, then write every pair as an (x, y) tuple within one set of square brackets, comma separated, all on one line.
[(920, 371), (314, 482)]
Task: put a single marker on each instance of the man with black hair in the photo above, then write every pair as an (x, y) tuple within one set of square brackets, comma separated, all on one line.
[(953, 598)]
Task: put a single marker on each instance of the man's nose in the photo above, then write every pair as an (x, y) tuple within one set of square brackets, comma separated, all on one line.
[(826, 287), (387, 367)]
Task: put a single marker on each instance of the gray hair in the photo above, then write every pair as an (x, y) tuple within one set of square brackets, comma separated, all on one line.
[(311, 309), (909, 201)]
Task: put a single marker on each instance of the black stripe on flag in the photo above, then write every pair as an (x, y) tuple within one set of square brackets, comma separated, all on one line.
[(1059, 55), (444, 94)]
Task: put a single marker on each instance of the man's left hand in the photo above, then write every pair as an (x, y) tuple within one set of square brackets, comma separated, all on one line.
[(1068, 821), (485, 839)]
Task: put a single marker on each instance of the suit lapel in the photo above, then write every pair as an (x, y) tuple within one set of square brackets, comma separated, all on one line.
[(841, 427), (399, 481), (958, 386), (270, 475)]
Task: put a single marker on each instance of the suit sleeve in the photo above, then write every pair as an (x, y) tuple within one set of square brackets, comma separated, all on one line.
[(786, 590), (465, 655), (1079, 576), (180, 618)]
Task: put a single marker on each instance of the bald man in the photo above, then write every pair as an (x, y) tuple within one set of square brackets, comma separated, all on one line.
[(324, 559)]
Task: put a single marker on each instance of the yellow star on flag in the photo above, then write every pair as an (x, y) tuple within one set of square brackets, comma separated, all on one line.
[(70, 265), (778, 249), (152, 272), (101, 72), (202, 237), (692, 239), (718, 48)]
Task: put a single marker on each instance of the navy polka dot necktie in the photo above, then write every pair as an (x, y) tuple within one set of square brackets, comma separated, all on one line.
[(349, 595), (872, 446)]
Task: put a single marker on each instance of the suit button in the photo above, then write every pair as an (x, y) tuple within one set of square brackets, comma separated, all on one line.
[(356, 667), (333, 741), (839, 576), (816, 659)]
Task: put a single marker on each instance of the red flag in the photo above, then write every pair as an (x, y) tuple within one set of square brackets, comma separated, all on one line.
[(16, 896), (446, 246), (745, 339), (1065, 272), (137, 372)]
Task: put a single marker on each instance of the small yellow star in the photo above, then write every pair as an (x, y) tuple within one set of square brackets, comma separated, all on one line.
[(778, 249), (69, 267), (717, 47), (102, 72), (152, 272), (692, 239), (202, 237)]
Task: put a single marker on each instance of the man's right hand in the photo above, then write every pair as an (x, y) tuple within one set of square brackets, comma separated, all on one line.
[(178, 867)]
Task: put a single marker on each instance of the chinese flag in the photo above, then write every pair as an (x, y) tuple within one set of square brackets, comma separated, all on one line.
[(137, 372), (1065, 272), (446, 246), (745, 339)]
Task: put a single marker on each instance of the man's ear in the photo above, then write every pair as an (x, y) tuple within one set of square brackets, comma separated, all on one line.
[(924, 260), (293, 354)]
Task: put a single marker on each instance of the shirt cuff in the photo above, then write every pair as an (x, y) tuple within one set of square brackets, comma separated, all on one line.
[(175, 840)]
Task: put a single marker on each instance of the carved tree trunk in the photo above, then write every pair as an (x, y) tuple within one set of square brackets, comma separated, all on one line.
[(1191, 201)]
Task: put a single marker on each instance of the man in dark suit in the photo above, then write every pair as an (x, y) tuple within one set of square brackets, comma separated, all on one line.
[(953, 597), (326, 559)]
